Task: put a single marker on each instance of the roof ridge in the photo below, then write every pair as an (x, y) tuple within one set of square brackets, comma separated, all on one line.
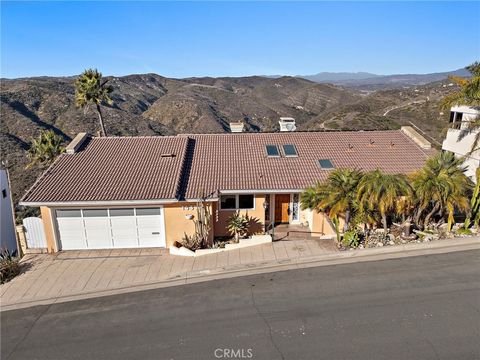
[(288, 132), (135, 137)]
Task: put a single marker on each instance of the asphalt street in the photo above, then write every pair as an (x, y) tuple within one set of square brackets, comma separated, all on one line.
[(425, 307)]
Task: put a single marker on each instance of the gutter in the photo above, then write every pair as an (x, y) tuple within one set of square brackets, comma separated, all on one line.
[(98, 203)]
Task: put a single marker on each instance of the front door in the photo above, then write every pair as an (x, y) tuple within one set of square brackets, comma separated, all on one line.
[(282, 203)]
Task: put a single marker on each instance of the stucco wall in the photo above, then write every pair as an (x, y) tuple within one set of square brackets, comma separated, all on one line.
[(320, 224), (48, 227), (176, 223), (257, 215)]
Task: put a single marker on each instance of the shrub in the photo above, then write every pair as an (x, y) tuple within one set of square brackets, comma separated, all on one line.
[(351, 238), (9, 265), (463, 231), (238, 225)]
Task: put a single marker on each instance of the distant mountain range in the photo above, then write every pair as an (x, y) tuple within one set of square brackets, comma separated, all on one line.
[(369, 81)]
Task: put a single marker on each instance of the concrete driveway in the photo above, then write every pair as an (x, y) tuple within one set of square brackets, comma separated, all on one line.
[(73, 273)]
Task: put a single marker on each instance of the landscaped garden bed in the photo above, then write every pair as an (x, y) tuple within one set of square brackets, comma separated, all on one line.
[(375, 209)]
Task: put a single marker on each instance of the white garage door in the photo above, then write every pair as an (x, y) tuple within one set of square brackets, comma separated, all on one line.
[(110, 228)]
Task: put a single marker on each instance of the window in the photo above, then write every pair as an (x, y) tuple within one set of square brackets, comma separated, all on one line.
[(95, 213), (4, 193), (272, 150), (121, 212), (237, 202), (245, 202), (458, 117), (289, 150), (295, 209), (326, 164), (228, 202), (68, 213), (148, 211)]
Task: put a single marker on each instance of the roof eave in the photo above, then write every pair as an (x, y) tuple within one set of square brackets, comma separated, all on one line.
[(98, 203)]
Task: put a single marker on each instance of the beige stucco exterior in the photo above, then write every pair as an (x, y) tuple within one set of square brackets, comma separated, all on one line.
[(321, 225), (178, 222), (49, 229), (257, 216)]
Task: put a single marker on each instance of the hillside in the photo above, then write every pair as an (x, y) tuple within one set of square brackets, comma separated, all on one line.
[(150, 104), (368, 81)]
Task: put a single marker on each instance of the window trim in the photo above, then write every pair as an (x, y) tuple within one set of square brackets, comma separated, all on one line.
[(236, 202), (294, 148), (272, 156)]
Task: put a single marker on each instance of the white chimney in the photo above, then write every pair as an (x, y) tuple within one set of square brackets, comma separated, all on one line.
[(287, 124), (236, 127)]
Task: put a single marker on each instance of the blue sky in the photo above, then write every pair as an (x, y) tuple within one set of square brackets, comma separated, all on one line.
[(180, 39)]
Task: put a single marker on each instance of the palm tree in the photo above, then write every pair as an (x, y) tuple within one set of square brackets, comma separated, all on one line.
[(440, 188), (474, 214), (468, 94), (45, 148), (336, 197), (91, 90), (384, 192)]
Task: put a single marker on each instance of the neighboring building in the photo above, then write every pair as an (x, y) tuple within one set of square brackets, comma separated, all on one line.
[(7, 224), (121, 192), (287, 124), (460, 136)]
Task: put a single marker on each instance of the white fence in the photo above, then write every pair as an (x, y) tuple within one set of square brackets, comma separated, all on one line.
[(34, 233)]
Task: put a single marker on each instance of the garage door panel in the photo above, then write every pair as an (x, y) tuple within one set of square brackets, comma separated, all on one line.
[(150, 227), (71, 230), (98, 233), (124, 228)]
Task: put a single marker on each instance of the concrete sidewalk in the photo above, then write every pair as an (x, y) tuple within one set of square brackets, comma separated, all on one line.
[(78, 275)]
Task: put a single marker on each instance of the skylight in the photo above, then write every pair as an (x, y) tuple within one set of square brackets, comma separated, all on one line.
[(326, 164), (272, 150), (290, 150)]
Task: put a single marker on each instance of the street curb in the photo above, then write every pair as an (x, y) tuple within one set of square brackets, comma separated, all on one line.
[(262, 267)]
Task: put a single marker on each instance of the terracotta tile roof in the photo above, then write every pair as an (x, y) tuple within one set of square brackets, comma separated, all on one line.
[(115, 168), (131, 168), (239, 161)]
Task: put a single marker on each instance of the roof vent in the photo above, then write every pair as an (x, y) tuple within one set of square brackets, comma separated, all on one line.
[(76, 143), (287, 124), (167, 155), (371, 142), (236, 127), (350, 148)]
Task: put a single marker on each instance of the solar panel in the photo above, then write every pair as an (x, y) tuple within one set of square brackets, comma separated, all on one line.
[(326, 164), (290, 150), (272, 150)]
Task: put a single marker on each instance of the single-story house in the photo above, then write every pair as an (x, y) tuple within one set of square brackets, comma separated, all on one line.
[(126, 192)]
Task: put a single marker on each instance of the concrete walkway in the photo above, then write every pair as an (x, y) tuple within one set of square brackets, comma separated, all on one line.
[(85, 273)]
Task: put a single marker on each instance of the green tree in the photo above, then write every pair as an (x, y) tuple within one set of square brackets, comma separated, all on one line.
[(336, 197), (441, 187), (474, 214), (45, 148), (92, 90), (384, 192)]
